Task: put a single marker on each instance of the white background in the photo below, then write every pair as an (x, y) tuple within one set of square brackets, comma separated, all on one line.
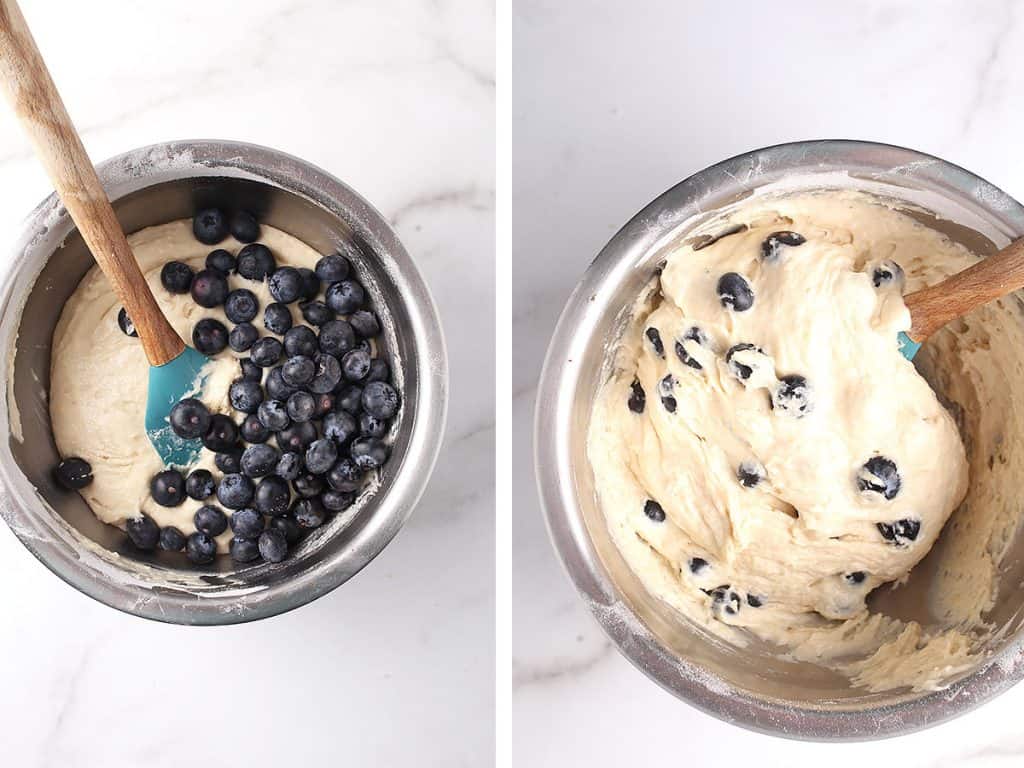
[(608, 105), (396, 667)]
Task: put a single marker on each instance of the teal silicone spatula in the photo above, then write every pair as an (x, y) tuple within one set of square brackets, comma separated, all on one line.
[(934, 306), (174, 367)]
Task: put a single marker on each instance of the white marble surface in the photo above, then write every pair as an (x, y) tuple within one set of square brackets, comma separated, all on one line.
[(396, 667), (611, 104)]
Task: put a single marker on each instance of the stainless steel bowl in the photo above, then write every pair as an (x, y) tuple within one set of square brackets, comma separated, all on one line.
[(158, 184), (752, 687)]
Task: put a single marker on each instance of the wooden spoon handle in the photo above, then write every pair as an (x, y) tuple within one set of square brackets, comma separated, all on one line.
[(35, 100), (989, 279)]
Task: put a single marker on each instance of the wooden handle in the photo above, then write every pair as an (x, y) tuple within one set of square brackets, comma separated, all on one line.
[(35, 100), (989, 279)]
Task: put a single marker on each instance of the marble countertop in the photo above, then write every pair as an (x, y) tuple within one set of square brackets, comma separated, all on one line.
[(396, 666), (613, 103)]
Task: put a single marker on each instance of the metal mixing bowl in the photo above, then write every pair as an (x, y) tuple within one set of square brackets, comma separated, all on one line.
[(751, 687), (159, 184)]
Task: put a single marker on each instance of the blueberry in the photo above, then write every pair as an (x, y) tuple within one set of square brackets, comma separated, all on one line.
[(255, 262), (301, 406), (339, 426), (167, 488), (229, 461), (244, 228), (285, 285), (336, 337), (737, 368), (245, 396), (380, 400), (350, 399), (273, 415), (345, 297), (300, 340), (772, 245), (250, 371), (654, 336), (277, 389), (277, 318), (333, 268), (379, 370), (200, 548), (310, 284), (316, 312), (692, 334), (372, 426), (754, 601), (734, 292), (369, 452), (209, 336), (309, 513), (199, 484), (266, 352), (697, 564), (879, 475), (235, 491), (125, 324), (189, 419), (143, 532), (210, 520), (209, 226), (220, 261), (287, 528), (345, 476), (725, 600), (297, 437), (298, 371), (324, 404), (222, 434), (750, 473), (654, 511), (273, 546), (321, 455), (289, 466), (171, 539), (886, 272), (243, 550), (327, 374), (355, 364), (793, 396), (252, 429), (666, 390), (246, 523), (242, 337), (365, 323), (900, 532), (241, 306), (308, 485), (337, 501), (176, 276), (856, 577), (272, 496), (209, 288), (259, 459), (637, 397)]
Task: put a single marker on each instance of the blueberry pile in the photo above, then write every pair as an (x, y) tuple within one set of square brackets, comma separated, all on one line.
[(316, 403)]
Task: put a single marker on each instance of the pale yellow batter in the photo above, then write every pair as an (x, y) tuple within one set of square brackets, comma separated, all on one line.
[(99, 376), (761, 522)]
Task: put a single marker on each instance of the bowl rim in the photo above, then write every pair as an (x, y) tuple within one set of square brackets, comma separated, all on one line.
[(567, 529), (172, 161)]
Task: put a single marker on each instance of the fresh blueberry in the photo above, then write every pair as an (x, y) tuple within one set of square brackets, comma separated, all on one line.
[(259, 459), (242, 337), (734, 292), (189, 418), (900, 532), (666, 390), (337, 501), (333, 268), (209, 288), (750, 473), (200, 548), (345, 476), (171, 539), (637, 397), (210, 520), (273, 546), (740, 370), (350, 399), (287, 527), (856, 577), (176, 276), (241, 305), (277, 318), (372, 426), (316, 312), (697, 564), (125, 324), (379, 370), (365, 323), (369, 452), (199, 484), (255, 262), (277, 389), (324, 404), (285, 285), (310, 284), (221, 261), (879, 475), (692, 334), (321, 455), (345, 297), (793, 396), (327, 374), (167, 488), (273, 415), (298, 371), (754, 601), (289, 466), (245, 396), (309, 513), (209, 226), (654, 336), (266, 352), (297, 437), (246, 523), (244, 227), (301, 406), (654, 511), (143, 532), (885, 273), (222, 434), (229, 461), (243, 550), (252, 429), (355, 364), (339, 426), (300, 340), (235, 491), (380, 399), (772, 245), (250, 371), (308, 485), (272, 496), (725, 600), (336, 337), (209, 336)]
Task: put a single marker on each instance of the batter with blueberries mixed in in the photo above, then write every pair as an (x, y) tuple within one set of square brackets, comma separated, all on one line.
[(764, 455)]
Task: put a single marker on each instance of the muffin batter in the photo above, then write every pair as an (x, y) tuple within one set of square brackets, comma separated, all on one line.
[(765, 457), (99, 376)]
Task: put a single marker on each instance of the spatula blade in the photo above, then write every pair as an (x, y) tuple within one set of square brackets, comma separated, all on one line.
[(168, 384)]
